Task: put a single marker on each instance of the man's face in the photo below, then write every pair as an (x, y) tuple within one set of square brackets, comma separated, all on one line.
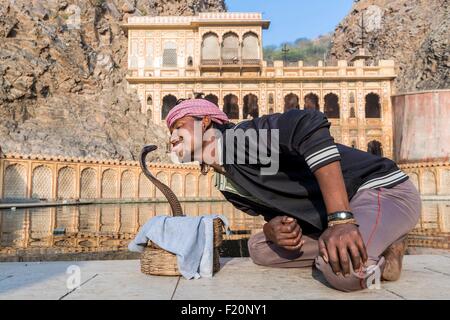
[(181, 139), (186, 138)]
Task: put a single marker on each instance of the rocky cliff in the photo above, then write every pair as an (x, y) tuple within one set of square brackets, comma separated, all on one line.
[(415, 33), (62, 70)]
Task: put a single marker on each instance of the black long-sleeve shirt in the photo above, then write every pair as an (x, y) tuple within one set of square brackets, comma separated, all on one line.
[(305, 145)]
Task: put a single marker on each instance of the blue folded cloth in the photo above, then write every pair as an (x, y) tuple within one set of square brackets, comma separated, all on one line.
[(190, 238)]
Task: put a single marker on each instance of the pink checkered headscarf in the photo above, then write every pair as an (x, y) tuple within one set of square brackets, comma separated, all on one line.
[(196, 108)]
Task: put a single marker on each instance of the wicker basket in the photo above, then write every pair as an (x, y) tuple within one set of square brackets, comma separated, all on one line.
[(159, 262)]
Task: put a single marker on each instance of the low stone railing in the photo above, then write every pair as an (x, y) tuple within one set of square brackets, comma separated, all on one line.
[(430, 178), (57, 178)]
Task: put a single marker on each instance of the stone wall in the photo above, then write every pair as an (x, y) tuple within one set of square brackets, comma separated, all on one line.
[(432, 179), (59, 178), (414, 33), (61, 77)]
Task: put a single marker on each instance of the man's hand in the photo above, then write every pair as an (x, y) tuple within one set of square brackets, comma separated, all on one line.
[(285, 232), (340, 241)]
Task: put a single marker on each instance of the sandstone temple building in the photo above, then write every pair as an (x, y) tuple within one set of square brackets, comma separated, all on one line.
[(220, 55)]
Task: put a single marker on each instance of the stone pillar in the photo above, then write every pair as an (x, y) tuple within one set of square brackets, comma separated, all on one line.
[(29, 166), (119, 183), (78, 181), (421, 131), (99, 181), (55, 173)]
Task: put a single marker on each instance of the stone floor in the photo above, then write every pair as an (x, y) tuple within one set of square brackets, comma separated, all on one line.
[(424, 277)]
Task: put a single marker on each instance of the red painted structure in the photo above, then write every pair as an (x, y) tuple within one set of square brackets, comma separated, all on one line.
[(421, 126)]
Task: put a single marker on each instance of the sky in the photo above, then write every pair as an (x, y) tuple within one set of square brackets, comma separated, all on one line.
[(293, 19)]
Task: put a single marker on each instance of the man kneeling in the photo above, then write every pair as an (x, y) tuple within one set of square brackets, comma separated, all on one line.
[(341, 209)]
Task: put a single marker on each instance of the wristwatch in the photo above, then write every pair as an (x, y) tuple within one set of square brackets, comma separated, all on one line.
[(340, 215)]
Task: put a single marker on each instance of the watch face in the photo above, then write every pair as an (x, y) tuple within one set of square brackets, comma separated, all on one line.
[(340, 216)]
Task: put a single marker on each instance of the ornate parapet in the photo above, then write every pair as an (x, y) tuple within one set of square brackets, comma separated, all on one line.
[(58, 177), (341, 70), (270, 71), (41, 157), (202, 19), (430, 178)]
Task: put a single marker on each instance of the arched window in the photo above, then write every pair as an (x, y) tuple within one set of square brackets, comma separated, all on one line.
[(164, 178), (176, 184), (311, 102), (332, 106), (375, 147), (88, 184), (42, 182), (291, 102), (146, 188), (66, 183), (190, 61), (109, 183), (190, 185), (15, 182), (250, 47), (250, 106), (230, 48), (271, 101), (127, 185), (210, 47), (373, 107), (169, 102), (170, 55), (429, 183), (212, 98), (230, 106)]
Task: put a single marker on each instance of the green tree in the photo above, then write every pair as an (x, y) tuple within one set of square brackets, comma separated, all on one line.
[(308, 50)]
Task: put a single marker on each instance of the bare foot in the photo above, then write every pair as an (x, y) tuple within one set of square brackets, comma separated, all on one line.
[(394, 258)]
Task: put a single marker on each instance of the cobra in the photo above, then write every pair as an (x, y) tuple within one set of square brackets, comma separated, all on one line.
[(174, 203)]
